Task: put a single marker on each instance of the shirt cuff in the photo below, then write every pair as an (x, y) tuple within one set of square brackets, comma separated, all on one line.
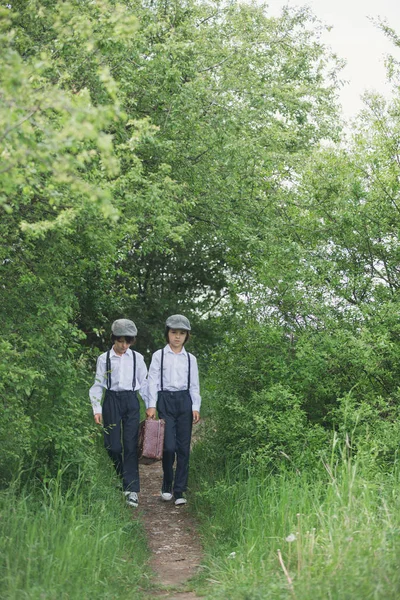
[(97, 409)]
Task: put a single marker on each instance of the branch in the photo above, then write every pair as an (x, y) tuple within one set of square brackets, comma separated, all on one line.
[(9, 129), (195, 159), (208, 18), (216, 65), (217, 301)]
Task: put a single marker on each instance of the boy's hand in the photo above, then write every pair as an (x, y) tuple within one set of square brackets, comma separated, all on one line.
[(196, 416), (98, 418), (151, 413)]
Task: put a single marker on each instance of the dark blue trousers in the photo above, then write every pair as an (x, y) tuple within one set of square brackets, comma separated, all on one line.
[(176, 409), (121, 430)]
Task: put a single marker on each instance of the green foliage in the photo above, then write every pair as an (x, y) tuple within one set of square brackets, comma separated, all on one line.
[(372, 428), (66, 145), (322, 307), (45, 414), (278, 426), (164, 157), (274, 396), (15, 424), (236, 107), (146, 150)]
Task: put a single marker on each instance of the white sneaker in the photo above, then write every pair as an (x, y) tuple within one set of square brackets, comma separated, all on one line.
[(166, 496), (132, 499), (179, 499)]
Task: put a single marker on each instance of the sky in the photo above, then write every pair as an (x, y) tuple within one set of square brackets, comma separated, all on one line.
[(354, 38)]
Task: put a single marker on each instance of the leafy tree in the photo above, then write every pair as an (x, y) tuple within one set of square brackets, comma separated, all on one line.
[(60, 217), (148, 152), (238, 100), (332, 305)]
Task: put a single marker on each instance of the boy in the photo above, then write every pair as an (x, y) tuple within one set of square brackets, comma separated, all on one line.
[(121, 372), (173, 388)]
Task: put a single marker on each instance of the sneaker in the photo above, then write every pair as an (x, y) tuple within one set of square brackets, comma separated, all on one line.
[(132, 499), (166, 493), (179, 499)]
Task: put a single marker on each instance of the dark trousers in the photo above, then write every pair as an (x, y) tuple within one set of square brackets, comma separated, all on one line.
[(176, 409), (121, 430)]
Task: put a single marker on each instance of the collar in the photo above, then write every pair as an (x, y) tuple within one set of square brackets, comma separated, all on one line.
[(169, 349), (113, 353)]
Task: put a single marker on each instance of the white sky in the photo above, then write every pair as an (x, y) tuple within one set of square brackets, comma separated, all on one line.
[(355, 39)]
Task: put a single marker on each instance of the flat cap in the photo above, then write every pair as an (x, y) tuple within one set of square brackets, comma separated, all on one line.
[(124, 327), (178, 322)]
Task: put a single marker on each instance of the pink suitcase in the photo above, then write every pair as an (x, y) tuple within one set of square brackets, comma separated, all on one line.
[(151, 439)]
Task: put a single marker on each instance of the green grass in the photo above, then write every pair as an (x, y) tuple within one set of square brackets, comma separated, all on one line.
[(334, 535), (79, 542)]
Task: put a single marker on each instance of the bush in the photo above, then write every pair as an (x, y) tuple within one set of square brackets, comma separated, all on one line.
[(372, 429), (270, 428), (45, 411), (274, 397)]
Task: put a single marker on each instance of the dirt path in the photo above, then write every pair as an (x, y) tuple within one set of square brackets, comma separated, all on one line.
[(172, 538)]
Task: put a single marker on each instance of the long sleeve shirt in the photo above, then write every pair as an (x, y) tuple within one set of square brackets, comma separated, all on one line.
[(121, 375), (175, 376)]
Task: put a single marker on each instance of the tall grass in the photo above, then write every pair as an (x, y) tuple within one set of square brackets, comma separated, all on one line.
[(69, 542), (333, 535)]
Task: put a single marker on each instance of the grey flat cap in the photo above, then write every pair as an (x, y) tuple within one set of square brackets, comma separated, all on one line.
[(123, 327), (178, 322)]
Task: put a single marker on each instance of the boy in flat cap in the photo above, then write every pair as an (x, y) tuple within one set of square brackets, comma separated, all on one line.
[(173, 389), (121, 372)]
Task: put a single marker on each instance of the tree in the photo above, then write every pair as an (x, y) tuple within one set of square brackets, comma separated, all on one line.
[(239, 100), (147, 152), (60, 216)]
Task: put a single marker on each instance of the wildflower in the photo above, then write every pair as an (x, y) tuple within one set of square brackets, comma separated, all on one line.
[(232, 555), (291, 538)]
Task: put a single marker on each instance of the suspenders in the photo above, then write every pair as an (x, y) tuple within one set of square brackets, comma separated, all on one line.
[(108, 370), (162, 371)]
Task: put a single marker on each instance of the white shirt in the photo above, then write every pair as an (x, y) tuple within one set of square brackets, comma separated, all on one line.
[(175, 376), (121, 375)]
